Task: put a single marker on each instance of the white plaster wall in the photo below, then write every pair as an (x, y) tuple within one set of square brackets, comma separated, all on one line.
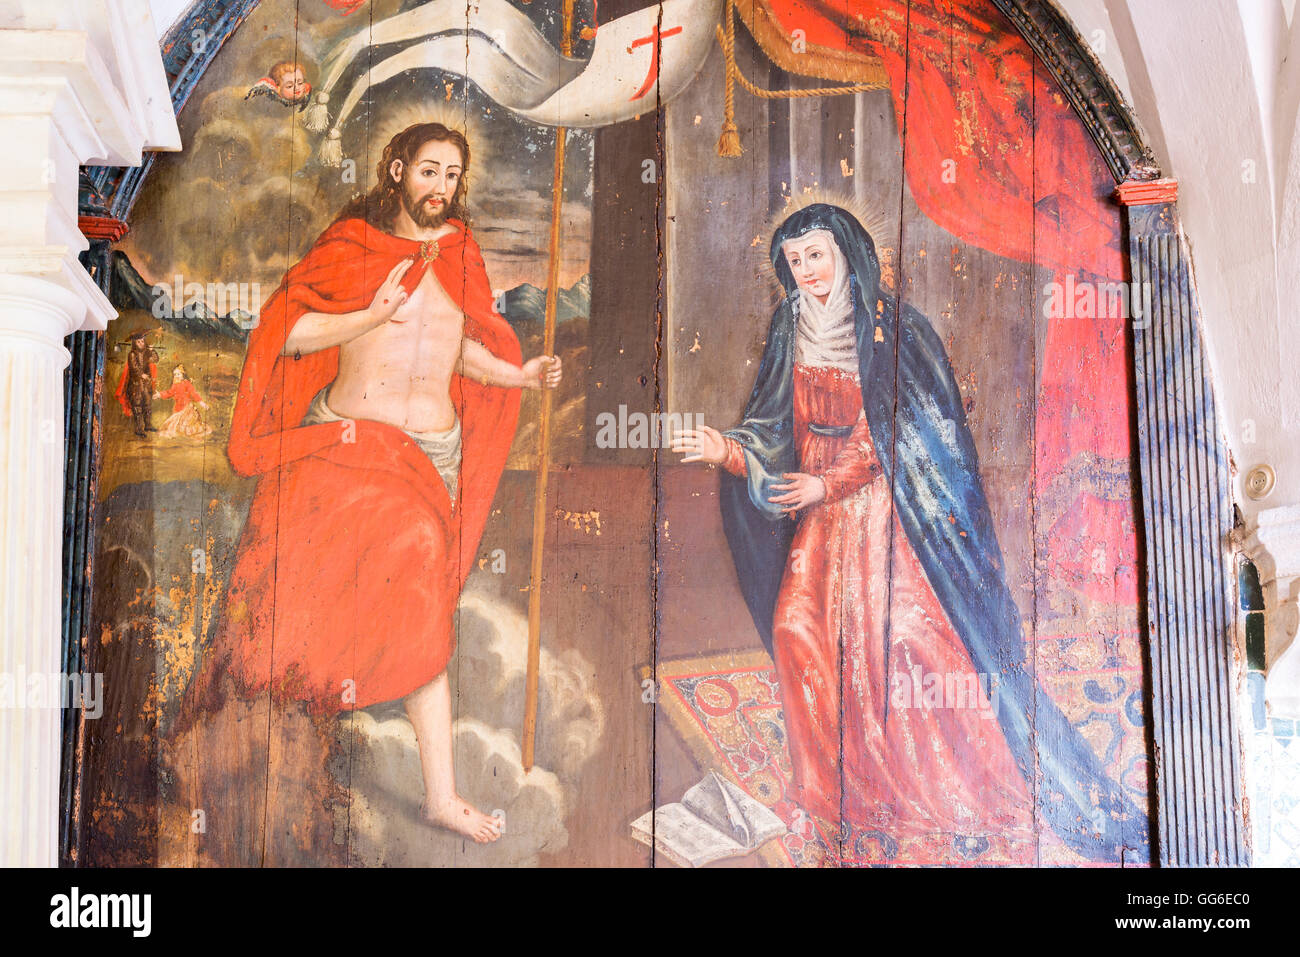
[(167, 12)]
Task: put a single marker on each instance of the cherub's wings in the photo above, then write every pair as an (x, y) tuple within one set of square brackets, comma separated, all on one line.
[(264, 87)]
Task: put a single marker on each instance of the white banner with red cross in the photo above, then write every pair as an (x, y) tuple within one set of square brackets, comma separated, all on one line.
[(638, 61)]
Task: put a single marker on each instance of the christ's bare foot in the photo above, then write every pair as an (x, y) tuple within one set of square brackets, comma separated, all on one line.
[(460, 816)]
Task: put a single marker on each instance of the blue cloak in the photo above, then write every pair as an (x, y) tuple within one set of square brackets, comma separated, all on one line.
[(918, 426)]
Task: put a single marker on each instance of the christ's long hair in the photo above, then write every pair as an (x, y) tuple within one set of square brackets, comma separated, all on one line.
[(379, 206)]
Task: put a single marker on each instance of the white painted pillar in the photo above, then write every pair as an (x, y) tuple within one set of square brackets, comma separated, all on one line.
[(1273, 544), (81, 82), (35, 315), (1272, 541)]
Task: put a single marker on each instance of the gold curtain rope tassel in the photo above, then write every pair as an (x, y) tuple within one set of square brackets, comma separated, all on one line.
[(729, 141)]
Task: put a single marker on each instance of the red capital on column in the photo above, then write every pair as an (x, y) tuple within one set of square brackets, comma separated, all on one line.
[(1151, 192)]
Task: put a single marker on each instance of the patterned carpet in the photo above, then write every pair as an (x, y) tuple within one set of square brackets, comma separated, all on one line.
[(727, 710)]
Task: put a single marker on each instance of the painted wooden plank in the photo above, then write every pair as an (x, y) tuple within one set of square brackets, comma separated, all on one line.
[(673, 302)]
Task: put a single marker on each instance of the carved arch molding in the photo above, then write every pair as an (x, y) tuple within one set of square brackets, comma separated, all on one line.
[(1183, 465)]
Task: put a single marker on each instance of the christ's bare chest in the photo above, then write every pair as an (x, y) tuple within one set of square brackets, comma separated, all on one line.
[(425, 329), (400, 372), (429, 309)]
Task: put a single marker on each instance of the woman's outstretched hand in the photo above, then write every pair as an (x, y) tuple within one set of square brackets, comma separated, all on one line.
[(801, 491), (704, 444)]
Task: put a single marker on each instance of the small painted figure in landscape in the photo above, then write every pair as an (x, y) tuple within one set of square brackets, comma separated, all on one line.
[(186, 421), (135, 390)]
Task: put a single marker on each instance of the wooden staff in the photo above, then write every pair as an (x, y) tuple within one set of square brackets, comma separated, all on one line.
[(544, 432)]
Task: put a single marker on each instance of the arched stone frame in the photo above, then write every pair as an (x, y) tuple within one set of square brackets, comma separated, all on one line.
[(1183, 464)]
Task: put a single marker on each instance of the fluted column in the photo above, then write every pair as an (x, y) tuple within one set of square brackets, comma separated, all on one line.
[(1187, 517), (35, 315)]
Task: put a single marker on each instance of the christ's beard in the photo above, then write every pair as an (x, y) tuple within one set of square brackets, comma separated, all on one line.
[(419, 212)]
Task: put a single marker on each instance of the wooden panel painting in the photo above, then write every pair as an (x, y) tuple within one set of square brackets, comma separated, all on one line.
[(836, 551)]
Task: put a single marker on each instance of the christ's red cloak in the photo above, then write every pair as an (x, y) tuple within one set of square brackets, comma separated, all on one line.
[(352, 558)]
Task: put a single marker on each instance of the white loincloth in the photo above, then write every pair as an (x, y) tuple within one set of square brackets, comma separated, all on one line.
[(442, 448)]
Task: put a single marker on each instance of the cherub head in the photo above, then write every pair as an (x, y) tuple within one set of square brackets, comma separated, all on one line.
[(290, 80)]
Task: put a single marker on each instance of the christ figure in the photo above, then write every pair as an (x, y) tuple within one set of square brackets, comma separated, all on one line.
[(377, 406)]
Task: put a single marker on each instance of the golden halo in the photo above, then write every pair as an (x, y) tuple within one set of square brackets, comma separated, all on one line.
[(881, 223), (450, 113)]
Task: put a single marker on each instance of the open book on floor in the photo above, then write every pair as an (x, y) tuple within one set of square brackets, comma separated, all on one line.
[(713, 821)]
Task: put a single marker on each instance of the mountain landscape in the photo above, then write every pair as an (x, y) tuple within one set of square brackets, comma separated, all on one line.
[(521, 306)]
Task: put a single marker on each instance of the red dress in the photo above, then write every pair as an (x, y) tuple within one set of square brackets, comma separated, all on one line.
[(183, 392), (857, 635), (185, 420)]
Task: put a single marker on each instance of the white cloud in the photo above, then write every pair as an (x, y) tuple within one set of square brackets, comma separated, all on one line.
[(487, 673)]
